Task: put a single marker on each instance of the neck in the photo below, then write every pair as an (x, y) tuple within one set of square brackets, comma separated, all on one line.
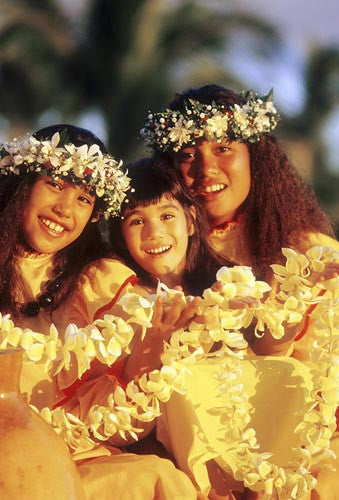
[(171, 280)]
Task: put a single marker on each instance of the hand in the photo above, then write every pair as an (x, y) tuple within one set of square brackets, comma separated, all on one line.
[(331, 270), (165, 322), (145, 355), (243, 302), (237, 302)]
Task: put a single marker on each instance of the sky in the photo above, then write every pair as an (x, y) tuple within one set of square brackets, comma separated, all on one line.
[(302, 24)]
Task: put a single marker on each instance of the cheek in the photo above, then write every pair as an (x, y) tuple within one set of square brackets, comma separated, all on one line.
[(131, 239), (186, 172)]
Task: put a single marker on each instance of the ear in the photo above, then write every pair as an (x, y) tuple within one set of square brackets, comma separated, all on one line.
[(96, 217), (191, 221)]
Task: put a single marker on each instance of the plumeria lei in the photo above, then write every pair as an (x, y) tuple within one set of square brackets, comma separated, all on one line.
[(84, 165), (171, 130), (108, 338)]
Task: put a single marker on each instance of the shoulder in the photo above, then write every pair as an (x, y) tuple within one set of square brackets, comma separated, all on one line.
[(102, 284), (108, 268), (107, 278)]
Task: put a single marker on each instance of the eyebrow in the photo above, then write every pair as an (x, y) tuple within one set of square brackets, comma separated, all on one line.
[(137, 211)]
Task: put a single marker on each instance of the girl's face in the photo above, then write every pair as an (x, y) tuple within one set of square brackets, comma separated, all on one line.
[(219, 174), (56, 214), (157, 238)]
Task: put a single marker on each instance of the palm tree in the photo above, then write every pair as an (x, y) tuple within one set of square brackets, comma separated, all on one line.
[(34, 42), (121, 60)]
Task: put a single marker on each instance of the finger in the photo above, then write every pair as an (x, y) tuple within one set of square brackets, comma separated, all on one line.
[(173, 313), (217, 286), (158, 311), (189, 312), (200, 319)]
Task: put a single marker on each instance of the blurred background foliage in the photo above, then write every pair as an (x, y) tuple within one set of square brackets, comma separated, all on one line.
[(104, 64)]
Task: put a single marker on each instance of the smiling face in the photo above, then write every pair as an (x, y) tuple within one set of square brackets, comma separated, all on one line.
[(219, 174), (56, 214), (157, 238)]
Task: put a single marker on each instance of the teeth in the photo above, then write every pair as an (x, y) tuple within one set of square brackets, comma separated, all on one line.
[(52, 225), (213, 189), (158, 250)]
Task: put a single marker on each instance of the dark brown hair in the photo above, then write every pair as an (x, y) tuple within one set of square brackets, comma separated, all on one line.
[(152, 179), (280, 205), (14, 193)]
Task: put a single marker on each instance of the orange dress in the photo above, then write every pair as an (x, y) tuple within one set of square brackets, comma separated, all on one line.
[(106, 471)]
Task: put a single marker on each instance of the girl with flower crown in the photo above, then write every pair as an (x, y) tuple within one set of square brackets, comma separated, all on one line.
[(56, 268), (256, 203), (161, 235)]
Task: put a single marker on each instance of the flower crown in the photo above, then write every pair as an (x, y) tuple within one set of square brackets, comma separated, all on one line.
[(171, 130), (84, 165)]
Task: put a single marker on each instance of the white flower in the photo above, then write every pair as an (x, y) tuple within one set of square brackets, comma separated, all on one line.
[(217, 126)]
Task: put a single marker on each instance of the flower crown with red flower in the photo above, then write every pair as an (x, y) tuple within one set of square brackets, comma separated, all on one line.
[(85, 165), (171, 130)]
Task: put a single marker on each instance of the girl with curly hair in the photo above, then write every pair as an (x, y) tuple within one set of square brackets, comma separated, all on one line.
[(56, 268), (256, 203)]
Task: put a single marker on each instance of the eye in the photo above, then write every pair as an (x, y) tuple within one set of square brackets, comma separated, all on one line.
[(86, 199), (223, 149), (55, 184), (167, 216), (185, 156), (136, 222)]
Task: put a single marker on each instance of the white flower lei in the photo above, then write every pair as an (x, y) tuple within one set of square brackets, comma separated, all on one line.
[(171, 130), (84, 165), (106, 339)]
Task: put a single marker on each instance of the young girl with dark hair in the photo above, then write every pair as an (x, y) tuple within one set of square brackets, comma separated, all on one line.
[(56, 268), (154, 184), (222, 144)]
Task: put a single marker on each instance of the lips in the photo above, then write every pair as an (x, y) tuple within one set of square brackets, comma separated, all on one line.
[(52, 226), (211, 189)]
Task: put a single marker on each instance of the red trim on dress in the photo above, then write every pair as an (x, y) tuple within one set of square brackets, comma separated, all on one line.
[(224, 227), (133, 280), (112, 371)]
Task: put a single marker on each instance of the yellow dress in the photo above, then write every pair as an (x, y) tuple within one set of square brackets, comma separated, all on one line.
[(230, 243), (106, 472)]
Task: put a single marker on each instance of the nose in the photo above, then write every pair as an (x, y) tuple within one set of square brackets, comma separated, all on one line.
[(206, 163), (153, 230), (64, 205)]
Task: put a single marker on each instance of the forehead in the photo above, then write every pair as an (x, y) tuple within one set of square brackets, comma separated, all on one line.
[(203, 141), (164, 203)]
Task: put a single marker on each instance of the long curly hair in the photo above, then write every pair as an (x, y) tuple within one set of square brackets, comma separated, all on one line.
[(152, 179), (71, 261), (280, 205)]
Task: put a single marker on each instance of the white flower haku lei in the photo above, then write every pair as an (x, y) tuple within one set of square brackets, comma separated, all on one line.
[(171, 130), (106, 339), (84, 165)]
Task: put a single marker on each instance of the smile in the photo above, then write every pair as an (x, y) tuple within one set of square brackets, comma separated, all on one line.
[(214, 188), (56, 228), (159, 250)]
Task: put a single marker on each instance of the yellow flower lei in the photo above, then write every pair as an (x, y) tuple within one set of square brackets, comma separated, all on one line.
[(106, 339)]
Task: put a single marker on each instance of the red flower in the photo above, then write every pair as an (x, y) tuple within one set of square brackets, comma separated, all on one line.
[(48, 165), (88, 171)]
